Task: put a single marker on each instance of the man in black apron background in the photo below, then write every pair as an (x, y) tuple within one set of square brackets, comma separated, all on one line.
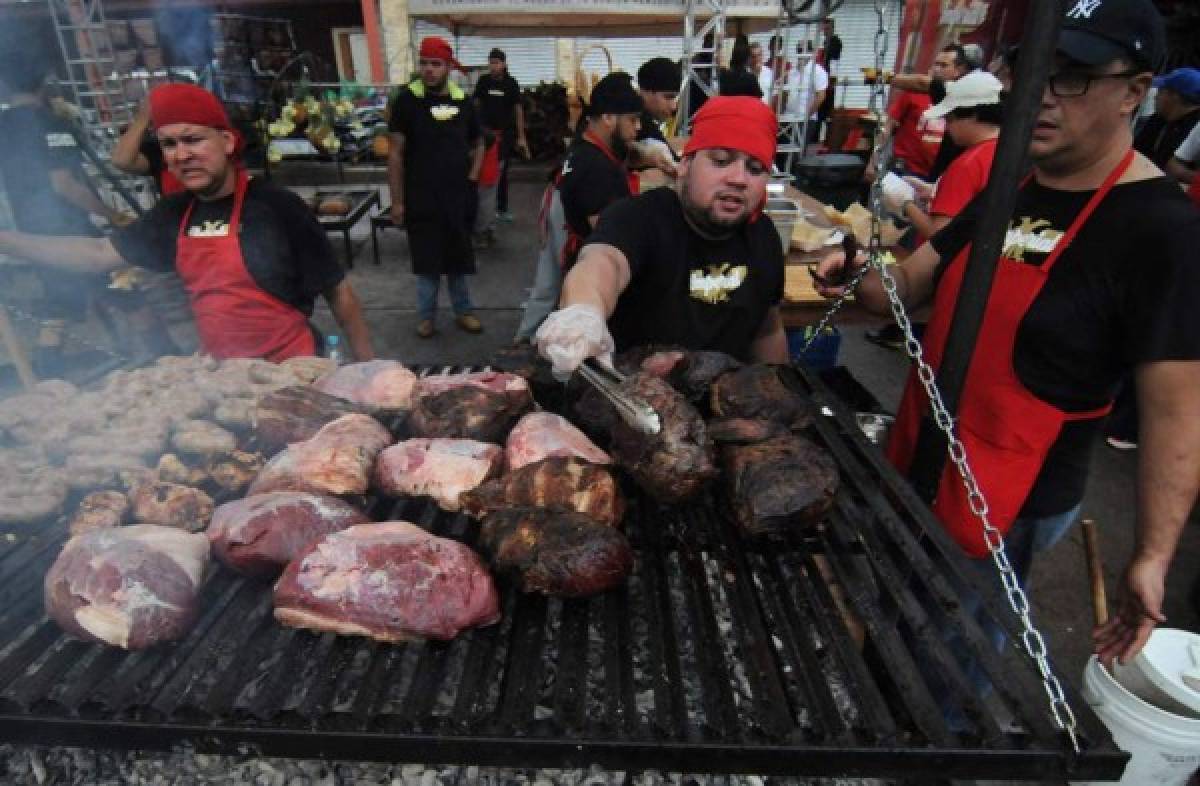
[(1097, 280), (433, 165)]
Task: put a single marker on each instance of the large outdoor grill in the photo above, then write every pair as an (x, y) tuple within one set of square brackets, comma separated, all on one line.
[(806, 656)]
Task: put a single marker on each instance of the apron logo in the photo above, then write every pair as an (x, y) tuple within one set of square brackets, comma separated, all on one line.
[(443, 112), (714, 284), (59, 139), (1031, 235), (214, 228), (1084, 9)]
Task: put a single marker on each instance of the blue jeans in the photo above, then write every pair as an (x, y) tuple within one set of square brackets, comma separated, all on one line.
[(427, 292)]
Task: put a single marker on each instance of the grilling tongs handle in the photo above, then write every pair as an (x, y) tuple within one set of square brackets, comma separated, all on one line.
[(637, 413)]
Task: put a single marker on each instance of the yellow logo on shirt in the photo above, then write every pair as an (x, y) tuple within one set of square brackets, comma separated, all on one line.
[(1030, 235), (714, 284), (443, 112)]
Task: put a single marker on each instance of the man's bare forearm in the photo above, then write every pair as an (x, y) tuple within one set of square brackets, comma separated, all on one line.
[(396, 168), (770, 345), (69, 187), (520, 116), (598, 279), (476, 161), (347, 310), (77, 254), (127, 152)]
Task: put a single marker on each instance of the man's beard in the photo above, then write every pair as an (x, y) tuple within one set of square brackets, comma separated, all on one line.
[(703, 219), (620, 148)]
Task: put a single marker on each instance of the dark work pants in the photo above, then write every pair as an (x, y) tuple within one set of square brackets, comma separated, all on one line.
[(506, 150)]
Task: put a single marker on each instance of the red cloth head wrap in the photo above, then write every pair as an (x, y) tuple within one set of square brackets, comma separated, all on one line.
[(437, 48), (741, 123), (183, 103)]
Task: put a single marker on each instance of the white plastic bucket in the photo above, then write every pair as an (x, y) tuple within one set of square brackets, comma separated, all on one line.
[(1165, 747)]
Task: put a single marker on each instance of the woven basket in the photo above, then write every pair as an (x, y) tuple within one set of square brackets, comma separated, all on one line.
[(580, 92)]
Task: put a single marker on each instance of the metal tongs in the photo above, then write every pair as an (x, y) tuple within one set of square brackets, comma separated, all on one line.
[(637, 413)]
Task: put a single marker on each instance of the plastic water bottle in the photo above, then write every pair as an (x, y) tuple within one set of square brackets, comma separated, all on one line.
[(333, 350)]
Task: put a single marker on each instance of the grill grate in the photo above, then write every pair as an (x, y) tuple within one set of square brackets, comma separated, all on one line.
[(720, 655)]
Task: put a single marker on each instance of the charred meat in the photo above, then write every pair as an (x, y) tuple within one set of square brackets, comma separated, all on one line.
[(564, 484)]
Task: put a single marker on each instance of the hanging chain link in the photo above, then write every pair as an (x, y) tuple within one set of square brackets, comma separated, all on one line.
[(1031, 639)]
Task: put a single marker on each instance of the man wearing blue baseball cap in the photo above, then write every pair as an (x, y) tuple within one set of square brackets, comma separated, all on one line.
[(1176, 110), (1097, 280)]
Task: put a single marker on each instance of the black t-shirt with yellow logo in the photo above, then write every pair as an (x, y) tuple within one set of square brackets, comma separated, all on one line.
[(684, 289), (1124, 293)]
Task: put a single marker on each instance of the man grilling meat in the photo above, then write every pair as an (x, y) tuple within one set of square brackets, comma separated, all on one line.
[(698, 266), (1098, 280), (251, 255)]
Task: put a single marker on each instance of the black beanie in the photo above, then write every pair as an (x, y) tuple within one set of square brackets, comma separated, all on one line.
[(497, 54), (659, 75), (614, 95)]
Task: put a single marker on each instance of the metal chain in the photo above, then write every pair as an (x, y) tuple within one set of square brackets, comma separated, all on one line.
[(1018, 601)]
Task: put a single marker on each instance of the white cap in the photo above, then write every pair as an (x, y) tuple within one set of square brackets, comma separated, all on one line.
[(977, 88)]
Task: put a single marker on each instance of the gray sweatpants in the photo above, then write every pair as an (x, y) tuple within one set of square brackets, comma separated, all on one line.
[(547, 279)]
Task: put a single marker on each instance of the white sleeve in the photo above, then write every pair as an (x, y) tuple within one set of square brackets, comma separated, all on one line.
[(1189, 150), (820, 78)]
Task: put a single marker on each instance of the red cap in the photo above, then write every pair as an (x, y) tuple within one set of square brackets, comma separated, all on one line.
[(741, 123), (183, 103), (437, 48)]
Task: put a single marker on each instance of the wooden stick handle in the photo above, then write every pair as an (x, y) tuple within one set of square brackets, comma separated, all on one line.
[(1091, 547)]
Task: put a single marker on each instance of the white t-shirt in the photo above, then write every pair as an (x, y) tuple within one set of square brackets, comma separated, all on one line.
[(766, 80), (800, 81), (1189, 149)]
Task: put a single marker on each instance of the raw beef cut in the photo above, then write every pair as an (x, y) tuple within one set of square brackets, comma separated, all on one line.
[(438, 468), (258, 535), (391, 581), (130, 587), (383, 384), (541, 435), (674, 464), (556, 553), (294, 414), (557, 483), (757, 392), (336, 460), (780, 484), (481, 406)]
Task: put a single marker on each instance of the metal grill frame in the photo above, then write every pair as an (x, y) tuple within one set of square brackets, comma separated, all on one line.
[(323, 696)]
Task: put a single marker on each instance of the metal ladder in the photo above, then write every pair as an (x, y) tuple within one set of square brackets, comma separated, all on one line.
[(703, 74), (91, 70)]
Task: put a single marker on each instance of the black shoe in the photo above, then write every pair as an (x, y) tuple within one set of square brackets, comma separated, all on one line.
[(888, 337)]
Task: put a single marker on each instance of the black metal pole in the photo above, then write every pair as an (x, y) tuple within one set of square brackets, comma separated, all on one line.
[(1038, 43)]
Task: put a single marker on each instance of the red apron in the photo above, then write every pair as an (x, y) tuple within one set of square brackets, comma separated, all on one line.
[(574, 240), (234, 316), (1194, 190), (1006, 430)]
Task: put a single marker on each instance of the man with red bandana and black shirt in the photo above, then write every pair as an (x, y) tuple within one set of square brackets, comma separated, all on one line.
[(1098, 279), (251, 255), (697, 265)]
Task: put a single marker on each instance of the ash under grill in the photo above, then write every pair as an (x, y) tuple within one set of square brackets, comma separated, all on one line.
[(720, 654)]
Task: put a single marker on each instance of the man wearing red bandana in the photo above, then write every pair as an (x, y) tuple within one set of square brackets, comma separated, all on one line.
[(434, 160), (697, 265), (251, 255)]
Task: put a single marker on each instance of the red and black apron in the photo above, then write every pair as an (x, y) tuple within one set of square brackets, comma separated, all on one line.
[(575, 240), (1006, 430), (234, 316)]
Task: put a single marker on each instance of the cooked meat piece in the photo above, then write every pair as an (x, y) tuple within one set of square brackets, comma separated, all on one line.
[(541, 435), (173, 470), (525, 361), (171, 505), (258, 535), (88, 471), (557, 483), (236, 412), (336, 460), (265, 372), (99, 510), (744, 431), (30, 491), (147, 443), (296, 413), (675, 464), (468, 412), (554, 552), (656, 359), (780, 484), (202, 438), (308, 370), (438, 468), (382, 384), (757, 392), (235, 471), (391, 581), (695, 374), (129, 587)]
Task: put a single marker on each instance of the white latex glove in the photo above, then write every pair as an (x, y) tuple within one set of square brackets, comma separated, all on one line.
[(895, 193), (924, 191), (573, 334)]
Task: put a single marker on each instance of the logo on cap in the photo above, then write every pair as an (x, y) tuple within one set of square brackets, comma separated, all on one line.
[(1084, 9)]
